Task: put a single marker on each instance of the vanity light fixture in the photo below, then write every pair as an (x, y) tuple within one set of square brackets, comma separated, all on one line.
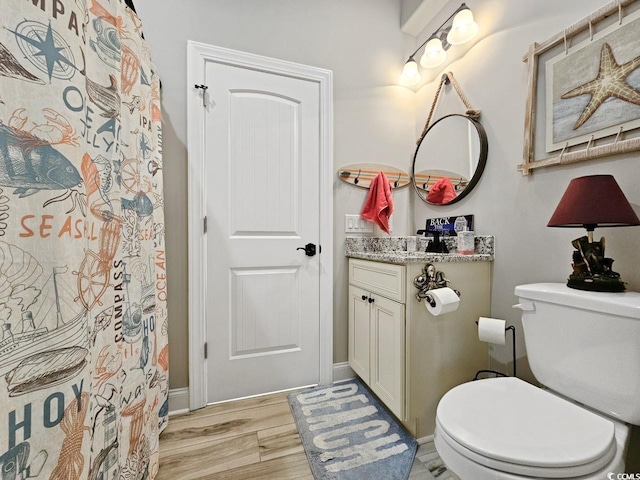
[(459, 28), (590, 202)]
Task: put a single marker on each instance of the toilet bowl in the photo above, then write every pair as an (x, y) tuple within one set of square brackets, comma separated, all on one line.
[(583, 347), (505, 428)]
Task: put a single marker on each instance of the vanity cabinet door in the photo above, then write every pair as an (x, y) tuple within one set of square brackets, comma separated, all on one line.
[(388, 352), (376, 345), (359, 332)]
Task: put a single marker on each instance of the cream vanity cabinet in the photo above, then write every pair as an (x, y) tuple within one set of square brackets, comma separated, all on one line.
[(408, 357)]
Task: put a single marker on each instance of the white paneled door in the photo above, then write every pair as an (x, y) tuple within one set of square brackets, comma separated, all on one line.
[(262, 163)]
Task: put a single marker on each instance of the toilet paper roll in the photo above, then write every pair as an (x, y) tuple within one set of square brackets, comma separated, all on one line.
[(491, 330), (445, 300)]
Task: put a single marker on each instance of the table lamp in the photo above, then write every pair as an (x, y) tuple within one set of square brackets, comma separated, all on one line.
[(590, 202)]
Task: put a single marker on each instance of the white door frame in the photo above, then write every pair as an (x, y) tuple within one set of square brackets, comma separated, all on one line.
[(198, 54)]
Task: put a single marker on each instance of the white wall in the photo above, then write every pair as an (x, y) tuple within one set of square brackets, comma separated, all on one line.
[(359, 40), (505, 203)]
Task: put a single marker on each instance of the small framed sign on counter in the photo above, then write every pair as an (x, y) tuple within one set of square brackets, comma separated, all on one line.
[(450, 226)]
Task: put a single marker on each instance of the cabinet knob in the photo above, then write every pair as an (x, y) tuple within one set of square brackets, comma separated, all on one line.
[(364, 297), (371, 300)]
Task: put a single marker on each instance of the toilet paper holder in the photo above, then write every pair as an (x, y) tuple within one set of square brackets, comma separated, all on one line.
[(513, 348), (430, 279)]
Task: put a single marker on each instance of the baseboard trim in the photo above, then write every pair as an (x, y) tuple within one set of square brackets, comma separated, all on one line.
[(179, 397), (342, 371), (178, 401), (423, 440)]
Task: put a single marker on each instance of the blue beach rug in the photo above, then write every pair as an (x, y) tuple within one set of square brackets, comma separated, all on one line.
[(348, 434)]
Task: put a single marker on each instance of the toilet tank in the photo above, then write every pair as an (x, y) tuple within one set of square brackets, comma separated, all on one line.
[(585, 345)]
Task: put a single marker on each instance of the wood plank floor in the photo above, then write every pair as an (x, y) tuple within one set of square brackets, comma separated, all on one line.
[(251, 439)]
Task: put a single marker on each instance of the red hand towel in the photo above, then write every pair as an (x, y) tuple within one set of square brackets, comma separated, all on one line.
[(379, 204), (442, 192)]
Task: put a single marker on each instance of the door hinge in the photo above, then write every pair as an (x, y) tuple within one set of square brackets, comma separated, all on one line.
[(206, 350), (204, 89), (205, 224)]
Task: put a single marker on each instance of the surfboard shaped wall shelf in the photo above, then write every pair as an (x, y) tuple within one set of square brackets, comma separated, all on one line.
[(362, 174)]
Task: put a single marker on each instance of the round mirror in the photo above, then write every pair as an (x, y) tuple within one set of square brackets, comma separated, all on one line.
[(449, 159)]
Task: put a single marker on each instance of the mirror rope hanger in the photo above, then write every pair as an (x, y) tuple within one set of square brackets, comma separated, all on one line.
[(445, 80), (443, 192)]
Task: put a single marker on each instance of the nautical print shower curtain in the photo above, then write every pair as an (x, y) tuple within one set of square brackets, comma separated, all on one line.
[(83, 318)]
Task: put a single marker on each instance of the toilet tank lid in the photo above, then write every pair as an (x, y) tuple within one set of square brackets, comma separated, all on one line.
[(625, 304)]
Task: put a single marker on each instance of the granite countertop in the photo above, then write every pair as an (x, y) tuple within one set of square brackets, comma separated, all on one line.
[(394, 250)]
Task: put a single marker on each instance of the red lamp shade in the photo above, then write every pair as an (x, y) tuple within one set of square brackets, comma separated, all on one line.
[(591, 201)]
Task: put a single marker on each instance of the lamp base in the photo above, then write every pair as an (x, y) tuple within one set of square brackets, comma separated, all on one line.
[(596, 283), (591, 269)]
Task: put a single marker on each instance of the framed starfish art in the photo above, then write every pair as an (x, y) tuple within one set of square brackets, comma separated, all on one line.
[(584, 100)]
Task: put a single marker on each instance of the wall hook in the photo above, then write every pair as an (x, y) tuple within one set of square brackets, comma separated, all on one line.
[(395, 184)]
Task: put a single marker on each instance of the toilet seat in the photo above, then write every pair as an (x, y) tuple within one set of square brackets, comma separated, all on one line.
[(509, 425)]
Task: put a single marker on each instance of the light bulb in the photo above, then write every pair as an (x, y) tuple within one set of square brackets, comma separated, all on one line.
[(463, 29), (410, 74), (434, 55)]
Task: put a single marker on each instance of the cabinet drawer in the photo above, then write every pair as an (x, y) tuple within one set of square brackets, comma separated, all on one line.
[(382, 278)]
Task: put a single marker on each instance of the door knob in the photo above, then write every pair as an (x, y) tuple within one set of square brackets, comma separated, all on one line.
[(309, 249)]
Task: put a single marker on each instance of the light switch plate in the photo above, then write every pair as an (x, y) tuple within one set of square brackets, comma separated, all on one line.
[(356, 224)]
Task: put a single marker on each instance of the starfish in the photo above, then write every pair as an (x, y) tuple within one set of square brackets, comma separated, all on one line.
[(610, 82)]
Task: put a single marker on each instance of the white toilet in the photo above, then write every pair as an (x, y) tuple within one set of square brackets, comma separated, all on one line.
[(584, 347)]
